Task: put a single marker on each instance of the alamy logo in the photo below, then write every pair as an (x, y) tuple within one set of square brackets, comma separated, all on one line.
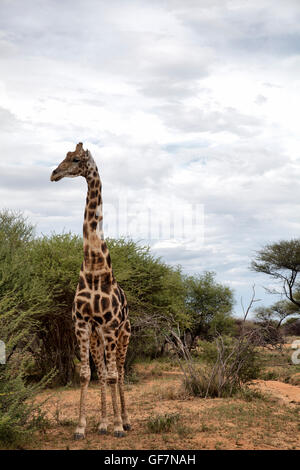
[(296, 354), (2, 352)]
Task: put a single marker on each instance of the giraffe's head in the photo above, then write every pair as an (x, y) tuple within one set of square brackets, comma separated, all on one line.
[(77, 163)]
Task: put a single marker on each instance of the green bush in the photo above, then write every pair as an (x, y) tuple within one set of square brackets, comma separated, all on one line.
[(209, 304), (37, 303), (249, 361), (20, 415)]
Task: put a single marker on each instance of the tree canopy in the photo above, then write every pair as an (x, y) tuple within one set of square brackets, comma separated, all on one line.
[(281, 261), (209, 304)]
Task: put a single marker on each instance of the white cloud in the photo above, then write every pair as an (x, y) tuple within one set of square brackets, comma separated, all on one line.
[(193, 102)]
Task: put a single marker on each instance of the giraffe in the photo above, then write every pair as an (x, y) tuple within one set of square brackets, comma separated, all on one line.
[(100, 311)]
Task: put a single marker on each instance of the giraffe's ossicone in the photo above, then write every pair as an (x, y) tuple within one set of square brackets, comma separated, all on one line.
[(100, 312)]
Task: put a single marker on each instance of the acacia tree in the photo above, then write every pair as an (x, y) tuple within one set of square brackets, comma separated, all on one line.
[(281, 261), (209, 304), (274, 314)]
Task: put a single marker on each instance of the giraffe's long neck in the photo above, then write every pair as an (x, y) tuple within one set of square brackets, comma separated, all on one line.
[(96, 255)]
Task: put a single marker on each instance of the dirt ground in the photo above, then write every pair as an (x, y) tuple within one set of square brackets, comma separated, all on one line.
[(269, 420), (285, 393)]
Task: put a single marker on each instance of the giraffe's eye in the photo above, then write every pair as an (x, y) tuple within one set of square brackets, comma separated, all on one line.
[(76, 160)]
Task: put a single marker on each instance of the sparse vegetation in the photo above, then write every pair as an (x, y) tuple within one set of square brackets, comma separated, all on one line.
[(163, 422), (250, 420)]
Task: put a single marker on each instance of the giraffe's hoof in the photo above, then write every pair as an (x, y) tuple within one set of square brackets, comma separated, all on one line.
[(102, 431), (119, 434), (126, 427), (78, 436)]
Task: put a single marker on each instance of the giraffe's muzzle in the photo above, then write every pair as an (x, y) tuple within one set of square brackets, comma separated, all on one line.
[(56, 176)]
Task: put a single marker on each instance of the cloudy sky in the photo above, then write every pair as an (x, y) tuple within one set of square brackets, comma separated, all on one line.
[(190, 108)]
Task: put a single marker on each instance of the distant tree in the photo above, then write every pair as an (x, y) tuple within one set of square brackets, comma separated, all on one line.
[(292, 327), (275, 314), (209, 304), (281, 261)]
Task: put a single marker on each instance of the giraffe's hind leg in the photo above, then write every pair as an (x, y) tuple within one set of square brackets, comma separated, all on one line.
[(112, 379), (97, 351), (85, 375), (122, 346)]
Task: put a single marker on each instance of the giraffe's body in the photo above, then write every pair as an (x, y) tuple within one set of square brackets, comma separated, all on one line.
[(100, 312)]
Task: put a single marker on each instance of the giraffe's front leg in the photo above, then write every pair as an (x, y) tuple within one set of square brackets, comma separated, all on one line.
[(83, 336)]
